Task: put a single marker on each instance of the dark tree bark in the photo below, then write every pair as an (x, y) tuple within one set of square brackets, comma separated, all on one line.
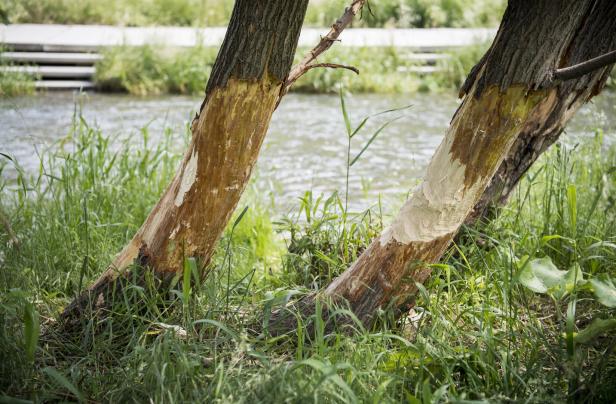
[(513, 109), (595, 36)]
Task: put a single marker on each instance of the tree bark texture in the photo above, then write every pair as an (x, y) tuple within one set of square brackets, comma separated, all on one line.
[(512, 110), (241, 95), (595, 36)]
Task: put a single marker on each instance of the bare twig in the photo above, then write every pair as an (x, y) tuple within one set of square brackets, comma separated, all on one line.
[(333, 66), (580, 69), (324, 44)]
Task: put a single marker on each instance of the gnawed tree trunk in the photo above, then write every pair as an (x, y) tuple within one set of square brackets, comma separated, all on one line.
[(512, 111), (241, 95), (595, 36)]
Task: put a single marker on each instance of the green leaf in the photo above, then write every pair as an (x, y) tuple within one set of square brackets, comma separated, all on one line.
[(239, 218), (372, 138), (602, 244), (361, 125), (574, 276), (220, 326), (32, 330), (190, 267), (604, 291), (596, 328), (540, 274), (329, 372), (345, 114), (63, 382), (363, 122), (572, 205), (570, 326), (6, 156)]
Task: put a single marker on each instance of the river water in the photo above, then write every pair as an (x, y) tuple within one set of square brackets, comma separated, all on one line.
[(305, 147)]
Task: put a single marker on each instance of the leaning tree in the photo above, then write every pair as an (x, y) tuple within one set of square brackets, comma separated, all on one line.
[(517, 100), (547, 59), (251, 74)]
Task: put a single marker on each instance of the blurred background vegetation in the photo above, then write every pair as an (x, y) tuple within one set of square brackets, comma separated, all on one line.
[(381, 13), (147, 70)]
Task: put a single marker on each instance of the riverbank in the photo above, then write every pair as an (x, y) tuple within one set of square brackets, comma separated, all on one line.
[(148, 70), (476, 332), (178, 60)]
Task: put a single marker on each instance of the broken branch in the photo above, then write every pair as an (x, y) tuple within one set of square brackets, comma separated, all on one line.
[(332, 66), (580, 69), (324, 44)]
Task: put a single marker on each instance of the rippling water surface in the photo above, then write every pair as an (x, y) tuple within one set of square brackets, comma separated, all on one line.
[(305, 147)]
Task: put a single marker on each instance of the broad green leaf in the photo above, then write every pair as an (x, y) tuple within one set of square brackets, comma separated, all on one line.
[(541, 274), (574, 276), (604, 291), (596, 328)]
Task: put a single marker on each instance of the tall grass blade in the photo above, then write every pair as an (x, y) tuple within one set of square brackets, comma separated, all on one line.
[(63, 382), (31, 330)]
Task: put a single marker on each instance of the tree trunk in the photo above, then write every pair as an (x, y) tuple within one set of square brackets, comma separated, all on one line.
[(594, 37), (513, 109), (241, 95)]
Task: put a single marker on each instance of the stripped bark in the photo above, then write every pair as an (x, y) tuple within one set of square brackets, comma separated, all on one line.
[(594, 36), (512, 111), (250, 76), (241, 95)]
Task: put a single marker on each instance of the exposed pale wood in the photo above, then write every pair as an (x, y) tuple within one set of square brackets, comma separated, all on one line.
[(508, 96), (242, 93), (595, 36)]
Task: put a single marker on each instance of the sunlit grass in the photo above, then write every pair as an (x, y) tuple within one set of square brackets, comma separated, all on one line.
[(474, 334), (13, 83)]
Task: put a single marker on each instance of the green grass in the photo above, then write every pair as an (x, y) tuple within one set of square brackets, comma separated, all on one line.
[(476, 333), (384, 13), (14, 83), (148, 70)]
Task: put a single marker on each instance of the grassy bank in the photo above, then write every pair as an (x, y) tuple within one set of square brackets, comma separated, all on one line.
[(14, 83), (321, 13), (149, 70), (477, 332)]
